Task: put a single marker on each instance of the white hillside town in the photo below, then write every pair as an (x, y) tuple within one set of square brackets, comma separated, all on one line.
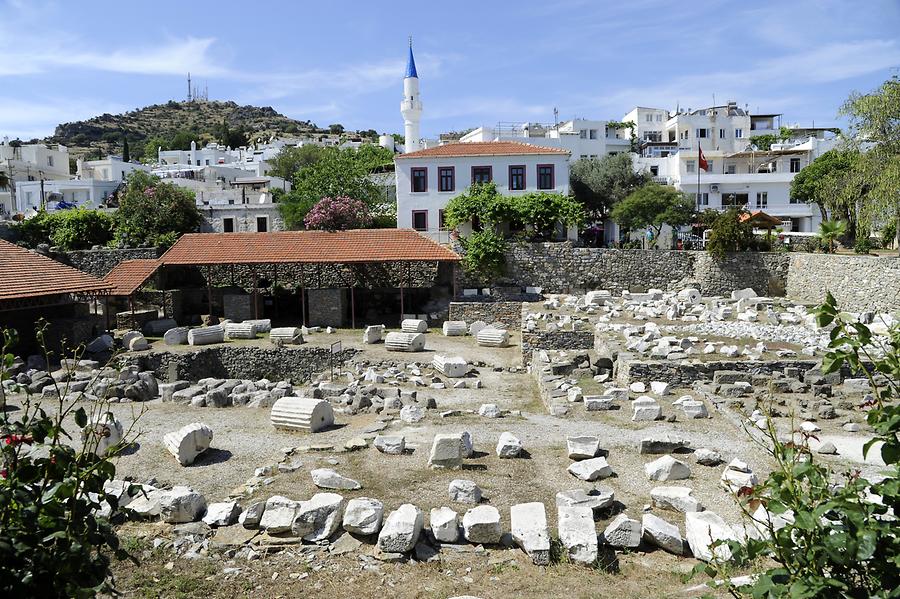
[(566, 326)]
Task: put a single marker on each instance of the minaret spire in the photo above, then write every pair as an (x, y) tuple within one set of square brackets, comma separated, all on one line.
[(411, 106)]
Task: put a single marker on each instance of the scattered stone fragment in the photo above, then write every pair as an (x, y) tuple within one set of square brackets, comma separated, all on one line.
[(180, 504), (446, 451), (595, 499), (665, 444), (694, 409), (222, 514), (464, 491), (528, 525), (318, 518), (592, 469), (582, 448), (391, 445), (278, 516), (508, 446), (679, 499), (188, 442), (662, 534), (623, 532), (701, 529), (250, 517), (412, 414), (363, 516), (645, 409), (827, 448), (444, 524), (401, 529), (707, 457), (489, 410), (577, 533), (738, 475), (326, 478), (482, 525), (102, 432), (667, 468)]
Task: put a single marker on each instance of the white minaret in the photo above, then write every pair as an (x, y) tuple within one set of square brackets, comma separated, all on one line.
[(411, 106)]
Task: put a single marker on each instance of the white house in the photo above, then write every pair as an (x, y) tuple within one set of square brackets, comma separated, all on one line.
[(211, 155), (112, 168), (738, 173), (583, 138), (31, 196), (427, 179), (29, 162)]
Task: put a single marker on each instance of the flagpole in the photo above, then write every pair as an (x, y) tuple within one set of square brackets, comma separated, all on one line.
[(699, 153)]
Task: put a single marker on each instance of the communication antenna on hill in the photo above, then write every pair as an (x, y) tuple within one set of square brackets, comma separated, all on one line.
[(190, 94)]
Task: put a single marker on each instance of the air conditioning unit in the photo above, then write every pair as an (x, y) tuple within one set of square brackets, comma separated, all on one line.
[(714, 188)]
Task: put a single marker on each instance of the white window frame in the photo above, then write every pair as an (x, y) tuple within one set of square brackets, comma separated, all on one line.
[(738, 133), (762, 199), (690, 166)]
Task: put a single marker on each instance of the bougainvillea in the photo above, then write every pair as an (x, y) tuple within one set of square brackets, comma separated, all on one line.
[(335, 214)]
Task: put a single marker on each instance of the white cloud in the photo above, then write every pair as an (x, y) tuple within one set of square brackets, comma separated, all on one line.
[(36, 119)]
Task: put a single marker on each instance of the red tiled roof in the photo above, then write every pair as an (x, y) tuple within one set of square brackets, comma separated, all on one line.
[(358, 245), (127, 277), (25, 274), (483, 148)]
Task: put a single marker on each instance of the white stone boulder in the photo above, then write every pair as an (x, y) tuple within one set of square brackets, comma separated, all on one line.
[(592, 469), (180, 504), (489, 410), (701, 529), (301, 414), (401, 530), (319, 518), (405, 342), (206, 335), (577, 533), (278, 516), (102, 432), (224, 513), (176, 336), (491, 337), (286, 336), (740, 294), (679, 499), (528, 525), (188, 442), (667, 468), (452, 367), (694, 409), (446, 451), (464, 491), (508, 446), (689, 296), (444, 524), (390, 444), (412, 414), (454, 328), (660, 388), (582, 448), (598, 403), (645, 409), (326, 478), (662, 534), (738, 475), (623, 532), (138, 343), (363, 516), (251, 517), (373, 334), (482, 525), (595, 500), (412, 325)]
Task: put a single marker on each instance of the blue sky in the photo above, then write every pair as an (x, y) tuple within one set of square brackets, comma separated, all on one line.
[(479, 62)]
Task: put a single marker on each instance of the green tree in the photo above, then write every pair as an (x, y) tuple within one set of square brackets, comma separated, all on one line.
[(818, 182), (653, 206), (182, 139), (730, 233), (152, 147), (291, 159), (875, 119), (830, 231), (481, 202), (336, 129), (152, 213), (600, 183), (337, 173), (4, 180), (542, 212), (126, 153), (76, 229)]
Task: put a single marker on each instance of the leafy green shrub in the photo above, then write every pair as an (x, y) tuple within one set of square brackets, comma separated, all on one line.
[(863, 245), (152, 213), (889, 234), (838, 531), (730, 234), (53, 540), (484, 254), (76, 229)]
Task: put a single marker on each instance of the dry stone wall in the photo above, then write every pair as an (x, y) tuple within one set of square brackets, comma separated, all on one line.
[(566, 340), (858, 283), (100, 261), (683, 374), (509, 313)]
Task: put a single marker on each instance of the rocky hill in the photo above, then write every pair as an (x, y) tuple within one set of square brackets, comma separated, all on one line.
[(202, 120)]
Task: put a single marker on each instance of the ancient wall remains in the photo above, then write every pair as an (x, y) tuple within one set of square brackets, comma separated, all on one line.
[(509, 313), (567, 340), (100, 261), (858, 283)]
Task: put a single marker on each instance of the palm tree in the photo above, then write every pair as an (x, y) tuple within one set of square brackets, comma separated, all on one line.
[(830, 230), (4, 180)]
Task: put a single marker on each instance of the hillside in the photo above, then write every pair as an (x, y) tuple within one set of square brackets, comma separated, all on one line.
[(201, 120)]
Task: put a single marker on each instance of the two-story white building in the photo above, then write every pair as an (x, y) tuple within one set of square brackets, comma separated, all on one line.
[(29, 162), (583, 138), (428, 179), (111, 168)]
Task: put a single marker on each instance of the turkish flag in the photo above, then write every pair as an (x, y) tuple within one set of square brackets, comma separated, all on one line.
[(703, 163)]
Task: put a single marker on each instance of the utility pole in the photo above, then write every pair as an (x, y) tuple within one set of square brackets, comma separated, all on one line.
[(43, 201), (189, 87)]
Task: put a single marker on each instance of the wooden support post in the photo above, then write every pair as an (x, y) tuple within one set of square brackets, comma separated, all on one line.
[(303, 305), (106, 311), (402, 310), (352, 309), (453, 274), (255, 294), (209, 290), (131, 307)]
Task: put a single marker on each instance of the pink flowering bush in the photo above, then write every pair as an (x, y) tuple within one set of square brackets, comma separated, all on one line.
[(336, 214)]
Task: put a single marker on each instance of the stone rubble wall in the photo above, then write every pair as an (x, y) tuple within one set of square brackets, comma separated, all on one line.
[(100, 262), (509, 313), (858, 283), (295, 364), (683, 374), (547, 340)]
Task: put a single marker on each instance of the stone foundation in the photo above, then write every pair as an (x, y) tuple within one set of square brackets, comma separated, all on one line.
[(684, 374), (568, 340), (509, 313)]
